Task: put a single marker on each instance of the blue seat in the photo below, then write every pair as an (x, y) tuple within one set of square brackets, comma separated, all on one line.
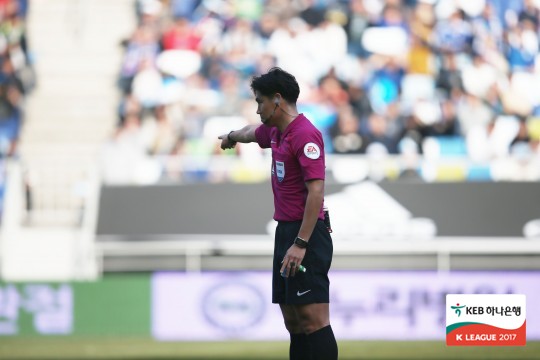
[(452, 145), (479, 173)]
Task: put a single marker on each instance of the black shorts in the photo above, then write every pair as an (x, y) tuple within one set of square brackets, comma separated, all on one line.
[(310, 287)]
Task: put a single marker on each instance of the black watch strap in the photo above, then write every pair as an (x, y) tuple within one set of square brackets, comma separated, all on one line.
[(301, 243)]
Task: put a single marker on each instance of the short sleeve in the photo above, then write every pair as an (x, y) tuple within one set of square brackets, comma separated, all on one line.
[(263, 135), (309, 150)]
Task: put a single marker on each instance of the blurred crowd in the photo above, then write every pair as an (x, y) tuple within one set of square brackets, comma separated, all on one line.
[(16, 80), (16, 73), (429, 77)]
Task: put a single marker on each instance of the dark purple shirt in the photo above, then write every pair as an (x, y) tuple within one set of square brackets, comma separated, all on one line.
[(297, 156)]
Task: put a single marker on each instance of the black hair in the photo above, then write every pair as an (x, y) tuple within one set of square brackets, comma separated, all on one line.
[(277, 80)]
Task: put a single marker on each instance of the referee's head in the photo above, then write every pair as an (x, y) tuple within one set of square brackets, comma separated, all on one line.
[(277, 80)]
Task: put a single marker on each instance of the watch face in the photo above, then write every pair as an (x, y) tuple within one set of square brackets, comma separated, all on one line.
[(301, 243)]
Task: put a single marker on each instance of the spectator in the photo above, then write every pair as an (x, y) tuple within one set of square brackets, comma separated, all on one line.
[(357, 22), (180, 36), (522, 47), (143, 46), (346, 133), (10, 119), (384, 86), (377, 132), (530, 13), (421, 59), (453, 35), (487, 28), (240, 46)]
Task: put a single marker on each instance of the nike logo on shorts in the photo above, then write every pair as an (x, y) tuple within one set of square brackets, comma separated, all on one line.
[(298, 293)]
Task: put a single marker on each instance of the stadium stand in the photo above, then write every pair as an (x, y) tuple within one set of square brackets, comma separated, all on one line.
[(444, 77), (17, 79)]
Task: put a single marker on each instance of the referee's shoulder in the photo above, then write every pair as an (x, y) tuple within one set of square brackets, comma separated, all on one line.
[(308, 133), (313, 132)]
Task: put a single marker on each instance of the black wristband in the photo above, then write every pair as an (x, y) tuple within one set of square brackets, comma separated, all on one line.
[(301, 243), (229, 137)]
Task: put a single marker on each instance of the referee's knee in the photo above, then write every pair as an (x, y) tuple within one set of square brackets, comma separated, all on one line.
[(293, 327), (309, 325)]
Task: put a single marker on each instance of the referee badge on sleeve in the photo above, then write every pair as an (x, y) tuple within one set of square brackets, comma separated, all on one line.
[(312, 151)]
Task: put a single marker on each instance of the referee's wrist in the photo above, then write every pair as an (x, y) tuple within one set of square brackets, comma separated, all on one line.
[(230, 138), (301, 243)]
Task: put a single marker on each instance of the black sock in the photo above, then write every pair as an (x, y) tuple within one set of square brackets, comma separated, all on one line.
[(299, 349), (323, 344)]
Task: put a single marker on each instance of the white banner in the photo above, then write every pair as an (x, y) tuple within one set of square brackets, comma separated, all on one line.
[(486, 320), (385, 305)]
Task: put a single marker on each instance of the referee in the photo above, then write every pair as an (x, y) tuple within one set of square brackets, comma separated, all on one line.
[(302, 238)]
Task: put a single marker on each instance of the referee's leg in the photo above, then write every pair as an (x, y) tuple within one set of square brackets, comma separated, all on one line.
[(311, 334)]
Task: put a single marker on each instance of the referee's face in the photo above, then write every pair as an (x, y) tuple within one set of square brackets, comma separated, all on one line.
[(266, 108)]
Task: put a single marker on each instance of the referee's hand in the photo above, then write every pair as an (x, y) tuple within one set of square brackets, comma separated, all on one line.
[(292, 260), (225, 143)]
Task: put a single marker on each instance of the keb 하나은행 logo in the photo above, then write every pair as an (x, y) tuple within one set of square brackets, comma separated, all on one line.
[(485, 320), (458, 308)]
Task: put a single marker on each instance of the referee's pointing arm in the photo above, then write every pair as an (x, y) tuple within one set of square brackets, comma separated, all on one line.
[(244, 135)]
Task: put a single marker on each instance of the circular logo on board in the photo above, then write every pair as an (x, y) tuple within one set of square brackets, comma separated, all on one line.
[(312, 151), (233, 307)]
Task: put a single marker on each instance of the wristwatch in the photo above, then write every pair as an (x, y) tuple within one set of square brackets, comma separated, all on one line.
[(301, 243)]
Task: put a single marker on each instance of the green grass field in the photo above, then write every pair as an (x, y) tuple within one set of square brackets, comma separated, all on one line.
[(62, 348)]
